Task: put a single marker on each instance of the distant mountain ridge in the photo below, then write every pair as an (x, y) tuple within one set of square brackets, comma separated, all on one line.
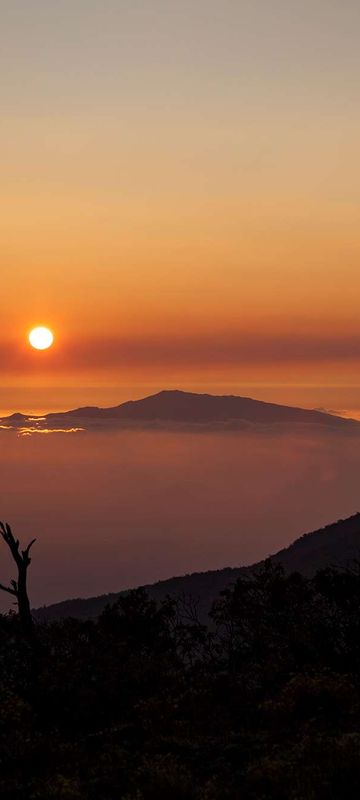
[(175, 406), (337, 545)]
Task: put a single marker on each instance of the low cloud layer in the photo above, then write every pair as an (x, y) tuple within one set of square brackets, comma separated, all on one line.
[(115, 511)]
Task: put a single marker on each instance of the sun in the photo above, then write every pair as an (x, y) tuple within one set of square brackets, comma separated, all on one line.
[(41, 338)]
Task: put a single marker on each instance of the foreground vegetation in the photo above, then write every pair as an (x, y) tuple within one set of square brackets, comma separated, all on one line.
[(148, 704)]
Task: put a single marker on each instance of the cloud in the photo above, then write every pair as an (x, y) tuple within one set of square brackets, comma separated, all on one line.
[(186, 349)]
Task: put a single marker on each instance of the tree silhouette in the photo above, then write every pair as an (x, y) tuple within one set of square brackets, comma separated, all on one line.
[(18, 588)]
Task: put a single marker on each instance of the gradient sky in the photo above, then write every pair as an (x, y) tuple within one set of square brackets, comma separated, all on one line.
[(179, 193)]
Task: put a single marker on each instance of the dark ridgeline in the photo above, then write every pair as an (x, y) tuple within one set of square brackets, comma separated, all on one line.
[(336, 545), (149, 703), (190, 408)]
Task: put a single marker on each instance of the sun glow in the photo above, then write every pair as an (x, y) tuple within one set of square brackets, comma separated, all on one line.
[(41, 338)]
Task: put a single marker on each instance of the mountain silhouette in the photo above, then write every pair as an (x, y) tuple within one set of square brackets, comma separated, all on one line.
[(176, 406), (336, 545)]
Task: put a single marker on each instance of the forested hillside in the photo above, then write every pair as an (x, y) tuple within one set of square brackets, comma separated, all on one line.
[(337, 545), (146, 703)]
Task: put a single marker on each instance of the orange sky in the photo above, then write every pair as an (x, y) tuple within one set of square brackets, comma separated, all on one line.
[(179, 194)]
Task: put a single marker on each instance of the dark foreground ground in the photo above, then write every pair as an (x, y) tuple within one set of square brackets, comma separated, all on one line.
[(146, 703)]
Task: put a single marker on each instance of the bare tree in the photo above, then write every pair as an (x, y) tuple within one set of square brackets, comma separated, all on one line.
[(18, 588)]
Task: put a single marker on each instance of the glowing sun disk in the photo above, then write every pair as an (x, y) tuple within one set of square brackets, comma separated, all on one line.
[(41, 338)]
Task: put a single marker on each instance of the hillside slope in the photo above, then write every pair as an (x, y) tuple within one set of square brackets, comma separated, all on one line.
[(337, 545)]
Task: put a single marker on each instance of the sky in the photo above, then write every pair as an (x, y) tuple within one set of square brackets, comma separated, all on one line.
[(180, 199)]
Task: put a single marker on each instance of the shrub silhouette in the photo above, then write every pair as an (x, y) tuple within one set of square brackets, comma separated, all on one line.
[(146, 702)]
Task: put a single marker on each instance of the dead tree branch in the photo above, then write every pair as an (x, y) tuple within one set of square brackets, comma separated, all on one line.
[(18, 588)]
